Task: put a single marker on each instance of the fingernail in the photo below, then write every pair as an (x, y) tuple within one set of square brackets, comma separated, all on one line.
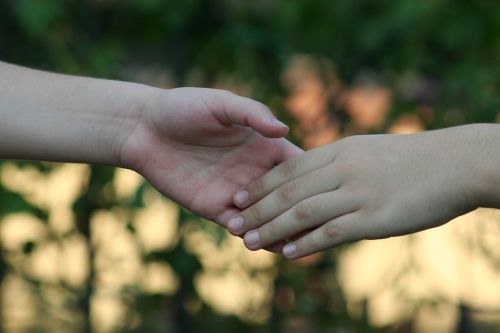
[(279, 123), (252, 237), (241, 197), (235, 224), (289, 250)]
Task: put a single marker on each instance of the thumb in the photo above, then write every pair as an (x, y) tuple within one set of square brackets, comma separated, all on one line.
[(236, 110)]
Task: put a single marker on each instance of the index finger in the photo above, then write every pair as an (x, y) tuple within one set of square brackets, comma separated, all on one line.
[(288, 170)]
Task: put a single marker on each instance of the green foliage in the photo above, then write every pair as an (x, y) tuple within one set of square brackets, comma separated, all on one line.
[(12, 202), (36, 17)]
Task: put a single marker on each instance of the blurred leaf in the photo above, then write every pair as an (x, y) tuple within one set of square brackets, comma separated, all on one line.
[(29, 247), (138, 199), (131, 228), (12, 202), (43, 167), (36, 16)]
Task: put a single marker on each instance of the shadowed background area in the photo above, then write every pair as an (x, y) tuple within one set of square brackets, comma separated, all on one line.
[(96, 249)]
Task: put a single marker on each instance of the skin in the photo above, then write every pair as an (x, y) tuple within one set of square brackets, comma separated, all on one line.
[(215, 143), (371, 187), (196, 146)]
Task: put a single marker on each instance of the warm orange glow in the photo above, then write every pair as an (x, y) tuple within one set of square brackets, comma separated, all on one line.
[(368, 106), (309, 100), (407, 124)]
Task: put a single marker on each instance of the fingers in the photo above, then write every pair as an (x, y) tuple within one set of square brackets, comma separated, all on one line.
[(307, 214), (287, 171), (346, 228), (233, 109), (276, 248), (283, 198), (223, 218)]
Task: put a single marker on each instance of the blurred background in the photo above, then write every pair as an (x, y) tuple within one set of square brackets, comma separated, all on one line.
[(96, 249)]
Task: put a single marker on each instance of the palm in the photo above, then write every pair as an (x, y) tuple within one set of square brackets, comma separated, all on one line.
[(190, 152)]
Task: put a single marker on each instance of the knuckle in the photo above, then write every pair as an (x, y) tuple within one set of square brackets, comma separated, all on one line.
[(303, 211), (346, 167), (308, 243), (254, 214), (268, 231), (289, 168), (331, 231), (286, 191), (257, 187)]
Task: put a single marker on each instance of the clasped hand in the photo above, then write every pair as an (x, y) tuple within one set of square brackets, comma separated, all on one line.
[(362, 187)]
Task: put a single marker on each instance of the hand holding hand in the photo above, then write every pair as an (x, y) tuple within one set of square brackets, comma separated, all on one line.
[(366, 187)]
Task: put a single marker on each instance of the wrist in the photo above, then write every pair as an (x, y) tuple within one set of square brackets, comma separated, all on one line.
[(463, 160), (485, 164), (124, 119), (110, 113)]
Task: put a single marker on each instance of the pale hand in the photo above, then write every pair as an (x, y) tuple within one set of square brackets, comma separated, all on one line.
[(198, 146), (370, 187)]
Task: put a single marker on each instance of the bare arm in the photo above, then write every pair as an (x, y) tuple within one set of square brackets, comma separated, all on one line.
[(47, 116), (197, 146)]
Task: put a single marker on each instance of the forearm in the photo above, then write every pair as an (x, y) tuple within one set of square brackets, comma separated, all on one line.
[(52, 117)]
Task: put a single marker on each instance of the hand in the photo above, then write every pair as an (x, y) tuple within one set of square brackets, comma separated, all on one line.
[(198, 146), (367, 187)]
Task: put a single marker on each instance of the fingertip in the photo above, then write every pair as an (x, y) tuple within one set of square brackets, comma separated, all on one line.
[(290, 251), (240, 199), (252, 239), (279, 123), (268, 126), (280, 129), (235, 225)]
